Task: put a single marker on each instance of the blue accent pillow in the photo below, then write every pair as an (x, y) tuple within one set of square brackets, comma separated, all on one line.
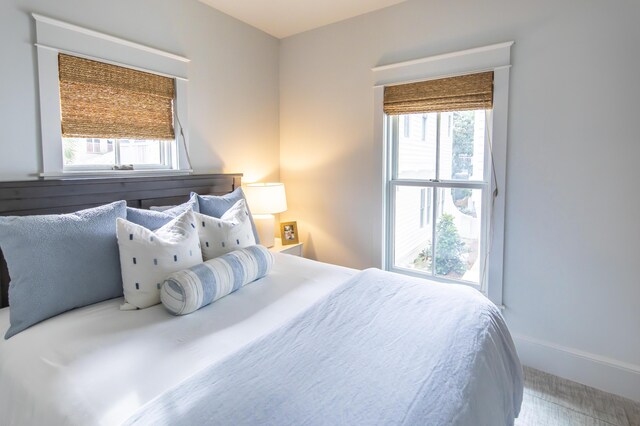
[(192, 204), (216, 206), (153, 220), (60, 262), (188, 290), (150, 219)]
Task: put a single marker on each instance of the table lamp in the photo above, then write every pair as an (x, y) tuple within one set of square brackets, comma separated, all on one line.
[(264, 200)]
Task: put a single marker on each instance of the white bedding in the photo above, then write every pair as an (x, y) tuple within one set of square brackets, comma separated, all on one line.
[(382, 349), (98, 365)]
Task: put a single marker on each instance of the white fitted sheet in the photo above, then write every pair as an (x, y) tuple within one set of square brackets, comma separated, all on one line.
[(98, 365)]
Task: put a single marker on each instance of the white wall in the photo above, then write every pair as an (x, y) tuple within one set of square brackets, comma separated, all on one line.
[(572, 283), (233, 87)]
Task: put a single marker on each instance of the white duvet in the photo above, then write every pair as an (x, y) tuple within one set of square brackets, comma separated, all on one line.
[(99, 365)]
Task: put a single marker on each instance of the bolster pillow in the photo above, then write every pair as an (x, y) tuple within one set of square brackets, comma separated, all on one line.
[(188, 290)]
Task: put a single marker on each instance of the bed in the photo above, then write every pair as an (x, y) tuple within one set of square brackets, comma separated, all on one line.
[(310, 343)]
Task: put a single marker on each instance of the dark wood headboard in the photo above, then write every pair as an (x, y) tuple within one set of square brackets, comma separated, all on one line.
[(32, 197)]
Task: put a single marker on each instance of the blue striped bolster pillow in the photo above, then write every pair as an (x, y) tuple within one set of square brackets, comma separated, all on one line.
[(186, 291)]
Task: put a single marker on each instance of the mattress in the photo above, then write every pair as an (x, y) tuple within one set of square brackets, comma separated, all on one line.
[(99, 365)]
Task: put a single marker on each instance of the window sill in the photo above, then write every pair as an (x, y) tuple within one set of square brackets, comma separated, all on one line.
[(115, 173)]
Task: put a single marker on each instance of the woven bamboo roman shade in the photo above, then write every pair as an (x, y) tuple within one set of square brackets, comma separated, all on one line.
[(100, 100), (463, 93)]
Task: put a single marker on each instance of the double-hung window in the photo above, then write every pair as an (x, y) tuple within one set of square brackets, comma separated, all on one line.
[(442, 126), (439, 177)]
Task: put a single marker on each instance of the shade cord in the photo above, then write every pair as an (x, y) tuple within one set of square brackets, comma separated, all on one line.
[(184, 140), (494, 195)]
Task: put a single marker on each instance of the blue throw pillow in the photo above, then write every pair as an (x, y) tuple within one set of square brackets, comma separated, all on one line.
[(175, 211), (60, 262), (153, 220), (216, 206), (150, 219), (186, 291)]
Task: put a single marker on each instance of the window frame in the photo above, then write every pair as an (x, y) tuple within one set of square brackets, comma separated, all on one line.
[(54, 37), (496, 58)]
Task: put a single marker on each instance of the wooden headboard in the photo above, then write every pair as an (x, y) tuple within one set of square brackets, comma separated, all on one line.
[(32, 197)]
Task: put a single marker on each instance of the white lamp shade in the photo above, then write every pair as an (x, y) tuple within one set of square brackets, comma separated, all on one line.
[(266, 198)]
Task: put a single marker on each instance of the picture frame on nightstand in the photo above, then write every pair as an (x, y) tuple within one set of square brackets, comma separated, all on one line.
[(289, 233)]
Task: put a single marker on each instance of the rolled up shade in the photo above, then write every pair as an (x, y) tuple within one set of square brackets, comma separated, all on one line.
[(463, 93), (100, 100)]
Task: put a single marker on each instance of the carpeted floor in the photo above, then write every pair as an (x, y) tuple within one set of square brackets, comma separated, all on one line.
[(552, 401)]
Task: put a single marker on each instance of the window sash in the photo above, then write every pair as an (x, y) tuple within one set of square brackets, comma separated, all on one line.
[(484, 230), (166, 155)]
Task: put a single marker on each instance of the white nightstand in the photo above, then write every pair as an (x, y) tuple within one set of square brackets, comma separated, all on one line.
[(294, 249)]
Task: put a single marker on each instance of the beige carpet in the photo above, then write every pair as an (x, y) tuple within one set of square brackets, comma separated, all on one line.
[(552, 401)]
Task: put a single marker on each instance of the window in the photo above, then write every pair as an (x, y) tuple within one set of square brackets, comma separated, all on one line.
[(446, 165), (440, 180), (108, 104), (456, 176), (101, 103)]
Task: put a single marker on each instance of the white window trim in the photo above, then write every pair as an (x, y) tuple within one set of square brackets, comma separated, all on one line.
[(496, 58), (55, 37)]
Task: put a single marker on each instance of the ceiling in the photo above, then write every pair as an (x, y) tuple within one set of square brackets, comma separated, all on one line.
[(282, 18)]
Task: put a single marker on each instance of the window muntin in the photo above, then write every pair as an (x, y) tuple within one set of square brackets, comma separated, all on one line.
[(442, 178)]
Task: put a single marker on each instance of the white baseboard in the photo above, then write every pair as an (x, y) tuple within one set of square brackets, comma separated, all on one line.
[(593, 370)]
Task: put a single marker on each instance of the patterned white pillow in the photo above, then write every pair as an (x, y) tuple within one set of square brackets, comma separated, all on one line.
[(232, 231), (147, 257)]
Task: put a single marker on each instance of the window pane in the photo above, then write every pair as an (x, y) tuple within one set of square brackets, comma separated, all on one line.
[(140, 151), (462, 143), (458, 230), (85, 152), (413, 227), (417, 146)]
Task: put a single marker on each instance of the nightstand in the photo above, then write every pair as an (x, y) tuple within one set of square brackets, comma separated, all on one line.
[(294, 249)]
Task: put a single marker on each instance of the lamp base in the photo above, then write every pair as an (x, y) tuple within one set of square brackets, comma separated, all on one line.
[(265, 225)]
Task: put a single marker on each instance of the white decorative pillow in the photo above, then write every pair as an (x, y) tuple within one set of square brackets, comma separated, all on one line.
[(231, 232), (147, 257)]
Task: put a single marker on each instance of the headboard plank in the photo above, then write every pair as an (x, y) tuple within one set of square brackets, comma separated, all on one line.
[(23, 198), (104, 186), (123, 194)]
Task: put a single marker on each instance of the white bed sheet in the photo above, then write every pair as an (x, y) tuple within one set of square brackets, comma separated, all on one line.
[(98, 365)]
